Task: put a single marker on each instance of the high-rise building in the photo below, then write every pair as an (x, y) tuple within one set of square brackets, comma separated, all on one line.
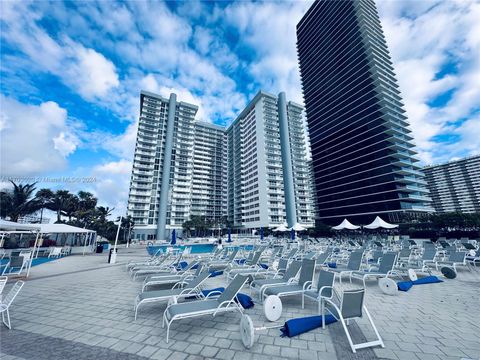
[(209, 181), (161, 181), (455, 186), (268, 180), (362, 149), (257, 171)]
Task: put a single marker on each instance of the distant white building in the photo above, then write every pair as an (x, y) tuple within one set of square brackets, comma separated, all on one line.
[(161, 181), (256, 173), (268, 171), (455, 186)]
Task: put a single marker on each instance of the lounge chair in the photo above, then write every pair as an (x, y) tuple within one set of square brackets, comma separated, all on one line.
[(473, 259), (385, 269), (220, 265), (457, 258), (157, 256), (287, 278), (324, 288), (3, 282), (181, 289), (156, 261), (354, 264), (16, 265), (208, 306), (322, 258), (304, 281), (171, 278), (153, 269), (249, 267), (8, 300), (350, 306)]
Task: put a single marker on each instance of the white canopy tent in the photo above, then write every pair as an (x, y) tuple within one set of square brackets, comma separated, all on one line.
[(13, 226), (346, 225), (89, 236), (281, 228), (298, 227), (379, 223)]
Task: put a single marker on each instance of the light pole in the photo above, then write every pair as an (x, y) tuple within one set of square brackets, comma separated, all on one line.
[(113, 257)]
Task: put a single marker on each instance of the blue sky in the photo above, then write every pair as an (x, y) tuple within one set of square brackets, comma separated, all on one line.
[(71, 74)]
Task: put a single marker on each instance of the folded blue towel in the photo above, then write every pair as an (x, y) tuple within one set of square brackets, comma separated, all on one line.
[(216, 273), (299, 326), (404, 285), (194, 267), (240, 261), (407, 285), (265, 266), (332, 265), (243, 299), (182, 265)]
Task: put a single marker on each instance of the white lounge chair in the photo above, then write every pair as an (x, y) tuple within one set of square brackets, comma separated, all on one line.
[(7, 302), (350, 306), (208, 306), (181, 289)]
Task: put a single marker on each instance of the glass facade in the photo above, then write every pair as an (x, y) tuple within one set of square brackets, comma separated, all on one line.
[(362, 152)]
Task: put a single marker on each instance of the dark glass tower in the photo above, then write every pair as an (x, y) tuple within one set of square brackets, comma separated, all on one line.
[(363, 157)]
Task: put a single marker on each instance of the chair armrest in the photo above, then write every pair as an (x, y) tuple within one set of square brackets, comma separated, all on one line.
[(307, 285), (325, 288)]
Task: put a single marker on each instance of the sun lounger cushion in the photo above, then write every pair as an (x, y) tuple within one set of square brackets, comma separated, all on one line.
[(265, 266), (332, 265), (299, 326), (406, 285)]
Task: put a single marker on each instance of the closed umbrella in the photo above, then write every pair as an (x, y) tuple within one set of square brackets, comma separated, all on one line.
[(229, 239), (261, 233), (174, 237)]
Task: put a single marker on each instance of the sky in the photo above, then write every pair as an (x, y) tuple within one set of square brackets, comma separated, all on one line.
[(71, 74)]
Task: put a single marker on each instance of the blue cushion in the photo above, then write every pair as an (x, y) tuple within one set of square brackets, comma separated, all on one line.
[(216, 273), (407, 285), (332, 265), (299, 326)]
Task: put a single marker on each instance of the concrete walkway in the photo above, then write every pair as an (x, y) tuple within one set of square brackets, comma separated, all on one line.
[(80, 307)]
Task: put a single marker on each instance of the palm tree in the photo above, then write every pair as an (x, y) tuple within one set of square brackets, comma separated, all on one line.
[(71, 206), (104, 212), (19, 201), (60, 202), (44, 197)]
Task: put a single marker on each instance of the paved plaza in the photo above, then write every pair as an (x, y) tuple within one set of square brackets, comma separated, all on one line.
[(80, 307)]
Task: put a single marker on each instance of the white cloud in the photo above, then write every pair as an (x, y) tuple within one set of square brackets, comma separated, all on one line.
[(84, 70), (435, 47), (112, 184), (34, 139), (269, 29), (114, 167), (91, 73)]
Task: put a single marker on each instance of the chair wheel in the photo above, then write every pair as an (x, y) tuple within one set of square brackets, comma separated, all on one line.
[(272, 308), (448, 272)]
